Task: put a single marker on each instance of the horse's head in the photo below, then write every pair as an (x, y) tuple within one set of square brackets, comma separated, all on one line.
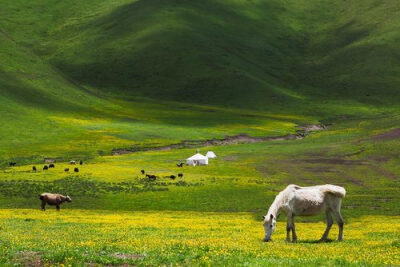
[(269, 226)]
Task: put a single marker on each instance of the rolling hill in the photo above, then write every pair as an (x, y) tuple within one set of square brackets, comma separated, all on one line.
[(81, 77)]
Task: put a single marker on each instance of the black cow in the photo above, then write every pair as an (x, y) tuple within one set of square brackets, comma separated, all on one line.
[(142, 171), (52, 165), (172, 177), (80, 162), (180, 165), (45, 167), (180, 175), (66, 169), (76, 170), (34, 168), (11, 164)]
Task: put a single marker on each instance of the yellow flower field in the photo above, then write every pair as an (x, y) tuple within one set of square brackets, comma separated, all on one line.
[(77, 237)]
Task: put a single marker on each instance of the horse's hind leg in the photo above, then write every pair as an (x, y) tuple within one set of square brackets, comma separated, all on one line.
[(340, 222), (329, 222)]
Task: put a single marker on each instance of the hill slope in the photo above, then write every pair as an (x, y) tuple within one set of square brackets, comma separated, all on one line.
[(297, 61)]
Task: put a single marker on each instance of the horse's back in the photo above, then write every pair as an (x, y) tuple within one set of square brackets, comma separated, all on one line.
[(307, 201)]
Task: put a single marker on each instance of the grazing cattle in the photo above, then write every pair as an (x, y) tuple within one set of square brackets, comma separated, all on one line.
[(172, 177), (76, 170), (72, 162), (305, 201), (180, 165), (66, 169), (180, 175), (142, 171), (53, 200), (151, 177), (34, 168), (80, 162), (45, 167), (52, 165), (11, 164)]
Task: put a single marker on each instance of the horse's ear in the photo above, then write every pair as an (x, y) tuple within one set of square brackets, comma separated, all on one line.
[(272, 216)]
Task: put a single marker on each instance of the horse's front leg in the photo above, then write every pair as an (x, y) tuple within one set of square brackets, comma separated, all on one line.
[(288, 227), (294, 236)]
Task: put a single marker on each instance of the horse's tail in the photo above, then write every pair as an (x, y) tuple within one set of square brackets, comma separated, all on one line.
[(334, 190)]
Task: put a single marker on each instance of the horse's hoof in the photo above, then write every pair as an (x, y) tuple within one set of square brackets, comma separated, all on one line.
[(322, 240)]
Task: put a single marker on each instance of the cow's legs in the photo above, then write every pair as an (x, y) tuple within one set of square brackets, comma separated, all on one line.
[(58, 207), (329, 222), (43, 205)]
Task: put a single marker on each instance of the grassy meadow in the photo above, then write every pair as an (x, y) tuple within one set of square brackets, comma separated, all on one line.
[(211, 216), (80, 80)]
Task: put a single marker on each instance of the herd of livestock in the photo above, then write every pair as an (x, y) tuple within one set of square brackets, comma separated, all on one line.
[(58, 199)]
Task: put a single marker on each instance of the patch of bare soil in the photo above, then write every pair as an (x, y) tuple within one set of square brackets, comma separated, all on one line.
[(356, 181), (355, 153), (229, 140), (126, 256), (386, 173), (230, 158), (335, 161), (393, 134), (385, 199), (28, 259), (321, 169), (352, 206)]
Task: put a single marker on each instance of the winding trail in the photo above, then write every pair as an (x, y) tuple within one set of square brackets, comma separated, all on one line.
[(302, 132)]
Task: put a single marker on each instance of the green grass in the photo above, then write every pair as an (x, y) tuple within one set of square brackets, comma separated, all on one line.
[(116, 212), (79, 79), (185, 238), (131, 71)]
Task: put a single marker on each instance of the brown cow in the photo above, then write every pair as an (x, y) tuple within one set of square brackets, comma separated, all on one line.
[(53, 200)]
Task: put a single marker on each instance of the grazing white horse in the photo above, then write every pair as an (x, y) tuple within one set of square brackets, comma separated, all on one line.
[(304, 201)]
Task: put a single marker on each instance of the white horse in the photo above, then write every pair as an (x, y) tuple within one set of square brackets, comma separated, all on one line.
[(296, 200)]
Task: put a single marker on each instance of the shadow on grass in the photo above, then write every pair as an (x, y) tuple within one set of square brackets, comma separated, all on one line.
[(309, 241)]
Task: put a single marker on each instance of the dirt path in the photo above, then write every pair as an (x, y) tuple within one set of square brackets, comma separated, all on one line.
[(393, 134), (229, 140)]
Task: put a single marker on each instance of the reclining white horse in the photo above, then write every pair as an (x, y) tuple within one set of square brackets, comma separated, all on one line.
[(305, 201)]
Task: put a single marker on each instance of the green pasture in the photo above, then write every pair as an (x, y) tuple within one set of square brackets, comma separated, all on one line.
[(137, 221), (81, 79)]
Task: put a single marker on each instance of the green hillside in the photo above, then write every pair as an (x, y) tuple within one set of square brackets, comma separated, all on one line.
[(91, 80), (291, 62)]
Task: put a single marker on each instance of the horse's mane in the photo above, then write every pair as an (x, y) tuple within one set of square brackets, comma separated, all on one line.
[(281, 198)]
